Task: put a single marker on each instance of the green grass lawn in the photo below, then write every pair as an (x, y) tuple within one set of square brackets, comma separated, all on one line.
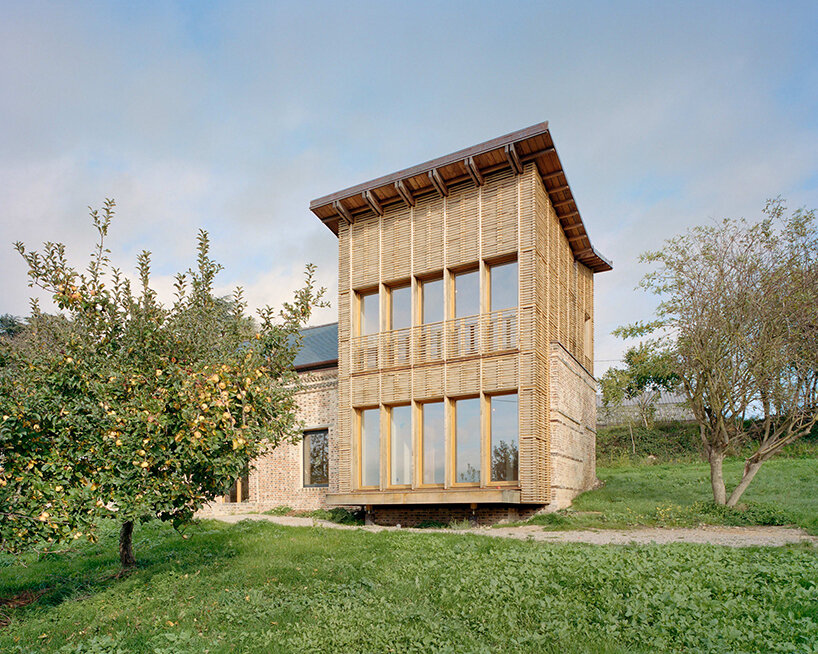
[(785, 491), (260, 587)]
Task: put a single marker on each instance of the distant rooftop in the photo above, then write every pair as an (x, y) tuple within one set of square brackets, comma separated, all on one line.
[(532, 144), (319, 347)]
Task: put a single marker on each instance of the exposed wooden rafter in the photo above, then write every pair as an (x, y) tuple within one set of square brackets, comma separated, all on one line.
[(559, 188), (551, 176), (405, 193), (438, 183), (563, 203), (513, 158), (372, 201), (474, 171), (342, 211)]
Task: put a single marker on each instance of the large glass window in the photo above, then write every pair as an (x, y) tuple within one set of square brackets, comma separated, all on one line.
[(316, 457), (400, 315), (400, 446), (467, 294), (369, 313), (432, 301), (505, 439), (370, 447), (433, 437), (503, 291), (467, 441)]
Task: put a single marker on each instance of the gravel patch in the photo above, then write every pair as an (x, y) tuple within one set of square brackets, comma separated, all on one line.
[(708, 535)]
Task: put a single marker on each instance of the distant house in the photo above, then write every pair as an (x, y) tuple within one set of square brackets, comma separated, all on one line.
[(458, 381)]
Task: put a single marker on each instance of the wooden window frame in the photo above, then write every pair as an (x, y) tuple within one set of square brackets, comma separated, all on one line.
[(487, 443), (359, 462), (419, 283), (388, 289), (305, 457), (501, 261), (418, 414), (388, 411), (357, 327), (451, 425)]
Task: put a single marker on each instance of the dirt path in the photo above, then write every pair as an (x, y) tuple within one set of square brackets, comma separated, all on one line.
[(713, 535)]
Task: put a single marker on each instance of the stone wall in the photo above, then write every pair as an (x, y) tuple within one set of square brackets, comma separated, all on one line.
[(573, 428)]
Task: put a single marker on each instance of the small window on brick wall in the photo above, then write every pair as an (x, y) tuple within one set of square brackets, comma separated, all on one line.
[(316, 457)]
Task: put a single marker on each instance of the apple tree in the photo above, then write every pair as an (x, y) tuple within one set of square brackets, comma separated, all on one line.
[(120, 407)]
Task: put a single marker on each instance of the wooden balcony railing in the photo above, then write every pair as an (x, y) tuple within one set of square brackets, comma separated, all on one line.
[(488, 333)]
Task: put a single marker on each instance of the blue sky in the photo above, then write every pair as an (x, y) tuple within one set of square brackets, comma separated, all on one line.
[(232, 116)]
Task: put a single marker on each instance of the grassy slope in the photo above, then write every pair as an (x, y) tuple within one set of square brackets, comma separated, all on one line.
[(261, 587), (784, 491)]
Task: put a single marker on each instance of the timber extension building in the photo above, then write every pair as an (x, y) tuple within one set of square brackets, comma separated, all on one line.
[(458, 381)]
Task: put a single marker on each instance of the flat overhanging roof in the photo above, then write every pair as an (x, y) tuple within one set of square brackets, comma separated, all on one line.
[(512, 151)]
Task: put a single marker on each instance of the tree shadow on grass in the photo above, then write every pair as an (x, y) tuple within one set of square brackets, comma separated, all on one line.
[(37, 581)]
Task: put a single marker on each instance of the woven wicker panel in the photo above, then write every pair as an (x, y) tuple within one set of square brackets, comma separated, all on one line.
[(462, 236), (396, 386), (529, 449), (498, 220), (528, 217), (527, 328), (364, 390), (427, 250), (344, 315), (428, 382), (396, 241), (526, 369), (343, 256), (528, 280), (500, 373), (365, 247), (463, 378)]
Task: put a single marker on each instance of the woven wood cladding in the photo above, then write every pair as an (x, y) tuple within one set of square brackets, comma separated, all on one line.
[(463, 378)]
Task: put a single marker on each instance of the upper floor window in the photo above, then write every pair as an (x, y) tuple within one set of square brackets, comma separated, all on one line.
[(467, 294), (400, 307), (431, 291), (316, 457), (368, 313), (503, 286)]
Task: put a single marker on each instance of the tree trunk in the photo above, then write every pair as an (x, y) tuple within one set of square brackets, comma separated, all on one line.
[(126, 557), (750, 470), (717, 477)]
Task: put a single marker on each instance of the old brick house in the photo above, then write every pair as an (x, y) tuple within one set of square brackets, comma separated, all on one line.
[(458, 380)]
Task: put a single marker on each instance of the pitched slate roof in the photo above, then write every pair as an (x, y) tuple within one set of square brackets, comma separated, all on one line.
[(319, 347)]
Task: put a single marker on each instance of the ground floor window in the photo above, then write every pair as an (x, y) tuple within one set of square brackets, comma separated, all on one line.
[(240, 490), (459, 441), (369, 447), (316, 457), (505, 456)]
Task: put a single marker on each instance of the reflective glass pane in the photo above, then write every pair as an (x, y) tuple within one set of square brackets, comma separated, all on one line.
[(370, 321), (432, 301), (467, 446), (503, 286), (467, 294), (401, 307), (370, 447), (401, 446), (504, 438), (316, 458), (433, 443)]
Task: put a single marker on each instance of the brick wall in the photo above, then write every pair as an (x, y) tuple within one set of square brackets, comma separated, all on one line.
[(573, 428), (486, 514), (276, 478)]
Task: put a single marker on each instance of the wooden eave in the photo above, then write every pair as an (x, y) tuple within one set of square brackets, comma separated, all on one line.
[(512, 151)]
